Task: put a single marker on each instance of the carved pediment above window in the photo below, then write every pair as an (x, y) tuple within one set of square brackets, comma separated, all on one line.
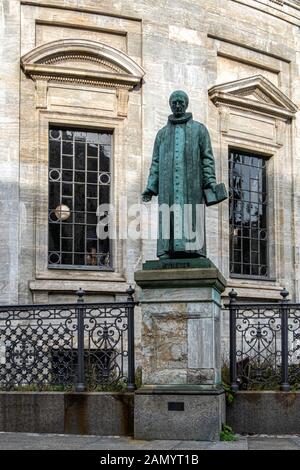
[(255, 94), (82, 61)]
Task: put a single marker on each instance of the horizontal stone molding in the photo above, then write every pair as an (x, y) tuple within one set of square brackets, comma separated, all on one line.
[(85, 77), (73, 286), (285, 10), (172, 278)]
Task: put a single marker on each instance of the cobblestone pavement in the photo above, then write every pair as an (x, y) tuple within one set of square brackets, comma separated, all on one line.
[(27, 441)]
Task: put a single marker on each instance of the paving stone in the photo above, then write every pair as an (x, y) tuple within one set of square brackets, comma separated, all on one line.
[(26, 441), (192, 445), (241, 444), (296, 440), (271, 443)]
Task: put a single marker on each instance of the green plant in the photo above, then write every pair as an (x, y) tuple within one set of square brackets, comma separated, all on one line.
[(227, 434), (229, 393), (38, 388), (295, 387), (114, 387)]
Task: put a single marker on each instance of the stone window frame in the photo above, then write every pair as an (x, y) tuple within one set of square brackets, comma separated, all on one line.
[(269, 182), (270, 155), (47, 66), (259, 99), (43, 271)]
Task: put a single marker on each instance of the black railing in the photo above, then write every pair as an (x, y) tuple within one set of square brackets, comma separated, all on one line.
[(86, 346), (264, 344)]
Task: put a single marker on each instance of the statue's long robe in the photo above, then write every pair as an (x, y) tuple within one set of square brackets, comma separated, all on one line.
[(182, 166)]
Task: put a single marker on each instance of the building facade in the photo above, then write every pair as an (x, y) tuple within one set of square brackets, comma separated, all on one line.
[(84, 89)]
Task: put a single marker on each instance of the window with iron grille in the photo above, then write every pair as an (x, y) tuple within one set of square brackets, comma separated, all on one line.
[(79, 181), (248, 215)]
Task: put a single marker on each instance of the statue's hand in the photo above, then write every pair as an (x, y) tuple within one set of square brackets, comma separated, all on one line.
[(147, 195), (212, 186)]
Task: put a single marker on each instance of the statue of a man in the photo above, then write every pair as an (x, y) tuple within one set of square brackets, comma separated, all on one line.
[(181, 173)]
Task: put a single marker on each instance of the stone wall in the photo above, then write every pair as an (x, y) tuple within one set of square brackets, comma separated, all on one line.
[(264, 413), (102, 414), (111, 414), (11, 211), (188, 44)]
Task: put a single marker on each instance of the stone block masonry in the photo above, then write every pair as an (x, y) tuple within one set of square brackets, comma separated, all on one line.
[(102, 414)]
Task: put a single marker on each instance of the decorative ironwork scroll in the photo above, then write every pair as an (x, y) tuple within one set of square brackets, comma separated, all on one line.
[(49, 346), (264, 344)]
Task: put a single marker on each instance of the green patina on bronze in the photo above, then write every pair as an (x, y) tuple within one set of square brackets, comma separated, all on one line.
[(182, 172)]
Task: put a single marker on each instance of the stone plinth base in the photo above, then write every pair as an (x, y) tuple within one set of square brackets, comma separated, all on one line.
[(181, 325), (184, 416), (181, 397)]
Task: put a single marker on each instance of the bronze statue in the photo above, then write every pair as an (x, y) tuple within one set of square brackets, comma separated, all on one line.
[(182, 174)]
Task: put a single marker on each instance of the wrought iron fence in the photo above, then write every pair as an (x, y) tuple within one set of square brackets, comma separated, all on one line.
[(81, 345), (264, 344)]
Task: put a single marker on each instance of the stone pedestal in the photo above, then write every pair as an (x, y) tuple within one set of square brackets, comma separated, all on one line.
[(181, 396)]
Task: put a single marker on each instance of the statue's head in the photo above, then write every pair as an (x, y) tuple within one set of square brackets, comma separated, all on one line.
[(178, 101)]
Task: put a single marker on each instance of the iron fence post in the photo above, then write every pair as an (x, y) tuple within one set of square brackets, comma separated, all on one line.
[(285, 386), (232, 346), (131, 355), (80, 383)]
